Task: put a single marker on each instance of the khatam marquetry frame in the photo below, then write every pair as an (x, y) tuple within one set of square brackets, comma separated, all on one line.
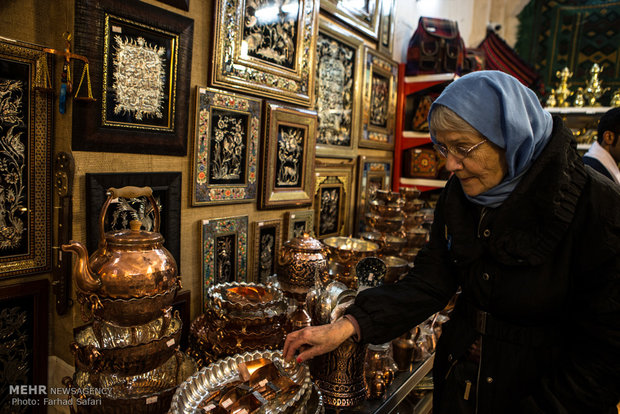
[(92, 23), (234, 67), (365, 21), (208, 100), (258, 230), (375, 169), (276, 117), (210, 230), (292, 217), (385, 42), (334, 174), (379, 70), (351, 93), (26, 205)]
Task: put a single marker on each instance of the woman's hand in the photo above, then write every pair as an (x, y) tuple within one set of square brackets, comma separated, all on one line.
[(317, 340)]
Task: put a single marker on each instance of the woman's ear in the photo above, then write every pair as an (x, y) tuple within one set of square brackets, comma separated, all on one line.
[(608, 138)]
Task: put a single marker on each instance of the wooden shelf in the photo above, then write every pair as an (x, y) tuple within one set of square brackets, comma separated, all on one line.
[(423, 184), (414, 84), (411, 139)]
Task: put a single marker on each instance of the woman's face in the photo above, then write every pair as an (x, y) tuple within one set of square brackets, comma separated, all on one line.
[(482, 169)]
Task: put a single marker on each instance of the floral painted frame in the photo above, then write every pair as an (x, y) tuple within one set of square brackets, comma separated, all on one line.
[(226, 147), (134, 49), (224, 251), (25, 160), (333, 197), (338, 103), (296, 223), (166, 188), (267, 240), (379, 113), (246, 59), (372, 173), (385, 43), (363, 16), (287, 156)]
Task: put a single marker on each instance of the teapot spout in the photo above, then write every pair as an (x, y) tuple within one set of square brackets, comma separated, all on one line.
[(85, 278)]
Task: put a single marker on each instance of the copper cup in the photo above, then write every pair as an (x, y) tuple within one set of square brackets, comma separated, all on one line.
[(396, 267), (403, 351)]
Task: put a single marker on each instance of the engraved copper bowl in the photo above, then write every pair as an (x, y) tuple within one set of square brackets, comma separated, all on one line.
[(150, 392), (385, 210), (386, 196), (413, 220), (416, 237), (200, 385), (384, 224), (301, 262), (410, 253), (413, 205), (344, 253), (392, 245), (396, 267), (129, 350), (409, 193)]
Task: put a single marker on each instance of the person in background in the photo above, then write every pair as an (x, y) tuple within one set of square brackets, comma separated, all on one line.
[(604, 154), (532, 238)]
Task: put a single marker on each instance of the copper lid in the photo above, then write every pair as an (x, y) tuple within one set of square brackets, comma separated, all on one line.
[(133, 236), (305, 244)]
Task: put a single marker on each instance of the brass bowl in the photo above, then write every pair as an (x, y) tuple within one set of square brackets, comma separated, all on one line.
[(392, 245), (385, 210), (396, 267), (384, 224), (386, 196), (417, 237), (150, 392), (372, 236), (409, 193), (129, 350), (413, 205), (410, 253), (413, 220), (127, 312)]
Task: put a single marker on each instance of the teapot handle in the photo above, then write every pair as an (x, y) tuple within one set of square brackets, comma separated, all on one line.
[(127, 192)]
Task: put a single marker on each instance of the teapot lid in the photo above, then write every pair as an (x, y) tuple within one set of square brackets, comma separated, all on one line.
[(305, 243), (133, 235)]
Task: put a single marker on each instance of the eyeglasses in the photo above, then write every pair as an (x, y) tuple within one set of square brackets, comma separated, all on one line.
[(459, 152)]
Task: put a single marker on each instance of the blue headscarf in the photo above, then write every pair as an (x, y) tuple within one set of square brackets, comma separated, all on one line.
[(508, 114)]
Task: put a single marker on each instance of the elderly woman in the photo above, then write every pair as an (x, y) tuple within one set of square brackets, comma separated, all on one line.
[(532, 237)]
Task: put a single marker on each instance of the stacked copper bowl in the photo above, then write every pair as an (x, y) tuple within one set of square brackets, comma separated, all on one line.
[(343, 255), (415, 233), (239, 317), (131, 346)]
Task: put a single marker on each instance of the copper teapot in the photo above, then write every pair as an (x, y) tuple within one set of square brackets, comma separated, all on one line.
[(129, 263)]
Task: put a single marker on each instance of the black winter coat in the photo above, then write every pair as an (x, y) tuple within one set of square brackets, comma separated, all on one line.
[(545, 266)]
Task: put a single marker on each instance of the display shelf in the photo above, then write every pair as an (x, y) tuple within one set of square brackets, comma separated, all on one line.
[(423, 184), (413, 84), (585, 110), (425, 405), (583, 147), (412, 139)]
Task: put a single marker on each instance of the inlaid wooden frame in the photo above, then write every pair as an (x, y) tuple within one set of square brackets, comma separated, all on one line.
[(372, 173), (266, 52), (224, 250), (287, 156), (340, 55), (226, 147), (385, 43), (379, 95), (25, 156), (166, 188), (135, 50), (333, 199), (361, 15), (296, 223), (266, 242)]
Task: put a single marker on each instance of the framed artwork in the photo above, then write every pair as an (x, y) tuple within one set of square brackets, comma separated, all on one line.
[(179, 4), (225, 147), (182, 303), (24, 341), (25, 160), (362, 15), (266, 47), (224, 251), (297, 223), (379, 96), (333, 198), (287, 156), (373, 173), (385, 43), (140, 64), (267, 241), (166, 188), (338, 89)]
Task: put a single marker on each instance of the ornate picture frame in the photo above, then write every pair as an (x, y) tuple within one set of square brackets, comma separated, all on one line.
[(166, 188), (287, 156), (134, 50), (25, 156), (338, 101), (224, 251), (179, 4), (372, 173), (333, 198), (226, 147), (296, 223), (385, 42), (379, 95), (24, 320), (266, 241), (363, 16), (256, 55)]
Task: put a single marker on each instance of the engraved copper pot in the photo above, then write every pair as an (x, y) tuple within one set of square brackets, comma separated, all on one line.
[(301, 261), (128, 264)]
